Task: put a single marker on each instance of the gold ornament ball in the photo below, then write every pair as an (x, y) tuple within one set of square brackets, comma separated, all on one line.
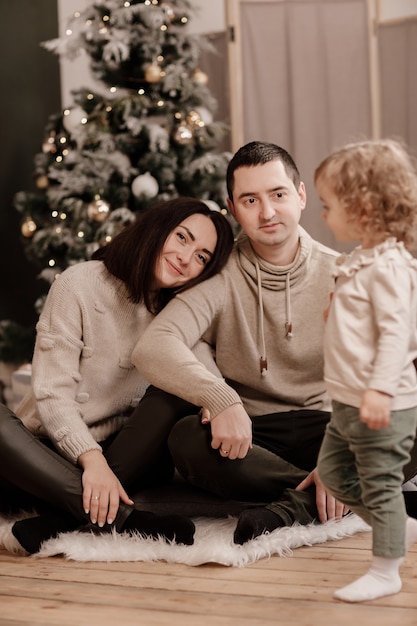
[(98, 210), (152, 72), (200, 77), (42, 182), (28, 227)]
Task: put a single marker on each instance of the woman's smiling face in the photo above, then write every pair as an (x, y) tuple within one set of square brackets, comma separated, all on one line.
[(186, 252)]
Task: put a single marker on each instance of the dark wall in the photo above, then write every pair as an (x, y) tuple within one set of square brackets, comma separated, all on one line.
[(30, 92)]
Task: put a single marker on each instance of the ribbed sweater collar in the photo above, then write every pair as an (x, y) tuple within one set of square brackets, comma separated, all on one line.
[(275, 278)]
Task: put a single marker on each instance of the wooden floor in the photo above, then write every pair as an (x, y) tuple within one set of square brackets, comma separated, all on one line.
[(286, 591)]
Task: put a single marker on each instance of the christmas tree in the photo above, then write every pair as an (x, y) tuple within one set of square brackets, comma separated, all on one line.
[(148, 135)]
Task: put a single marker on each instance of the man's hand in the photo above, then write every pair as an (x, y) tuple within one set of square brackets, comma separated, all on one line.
[(328, 507), (375, 409), (231, 432), (102, 490)]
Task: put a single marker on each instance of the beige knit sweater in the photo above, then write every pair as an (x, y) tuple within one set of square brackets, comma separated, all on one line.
[(83, 376)]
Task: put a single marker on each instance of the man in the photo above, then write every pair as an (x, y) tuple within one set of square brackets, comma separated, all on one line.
[(263, 317)]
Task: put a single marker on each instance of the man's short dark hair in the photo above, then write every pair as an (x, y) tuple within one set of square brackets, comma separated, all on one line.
[(259, 153)]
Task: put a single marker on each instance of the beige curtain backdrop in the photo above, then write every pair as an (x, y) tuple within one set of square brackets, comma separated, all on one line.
[(398, 63), (304, 75)]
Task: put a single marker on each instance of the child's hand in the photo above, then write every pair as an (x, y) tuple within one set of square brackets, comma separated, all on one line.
[(375, 409), (326, 310)]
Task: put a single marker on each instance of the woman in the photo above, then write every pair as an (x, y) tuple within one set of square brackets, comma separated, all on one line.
[(74, 451)]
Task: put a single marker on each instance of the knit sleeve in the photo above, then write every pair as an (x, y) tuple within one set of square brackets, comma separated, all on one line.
[(393, 298), (56, 368), (164, 354)]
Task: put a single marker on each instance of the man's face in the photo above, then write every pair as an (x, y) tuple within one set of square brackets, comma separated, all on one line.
[(267, 206)]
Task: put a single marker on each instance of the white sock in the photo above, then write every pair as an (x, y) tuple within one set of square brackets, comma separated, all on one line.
[(410, 532), (382, 579)]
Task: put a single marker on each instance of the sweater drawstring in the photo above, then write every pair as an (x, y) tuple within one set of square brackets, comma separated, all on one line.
[(263, 361), (288, 322)]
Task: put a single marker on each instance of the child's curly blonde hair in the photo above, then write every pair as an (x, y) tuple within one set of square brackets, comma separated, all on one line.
[(376, 181)]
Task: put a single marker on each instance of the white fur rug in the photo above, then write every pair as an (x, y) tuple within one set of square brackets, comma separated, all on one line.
[(213, 543)]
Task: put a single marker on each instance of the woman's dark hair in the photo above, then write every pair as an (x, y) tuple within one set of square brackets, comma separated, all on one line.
[(133, 253)]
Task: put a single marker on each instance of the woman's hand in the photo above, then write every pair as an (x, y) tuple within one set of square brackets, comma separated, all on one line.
[(102, 490), (231, 432)]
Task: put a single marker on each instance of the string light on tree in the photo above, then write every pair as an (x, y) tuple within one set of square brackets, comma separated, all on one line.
[(193, 119), (183, 134), (49, 144), (98, 209)]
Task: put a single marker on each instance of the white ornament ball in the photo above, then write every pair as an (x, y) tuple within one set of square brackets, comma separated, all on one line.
[(73, 119), (213, 206), (205, 115), (145, 186)]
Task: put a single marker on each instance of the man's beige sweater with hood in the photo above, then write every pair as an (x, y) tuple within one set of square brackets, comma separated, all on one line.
[(265, 324)]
